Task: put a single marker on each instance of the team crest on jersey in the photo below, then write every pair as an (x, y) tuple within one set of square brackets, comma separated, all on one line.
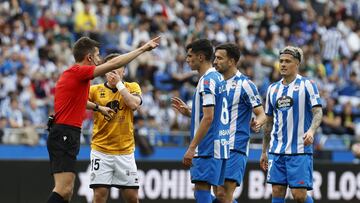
[(234, 84), (284, 103), (296, 88)]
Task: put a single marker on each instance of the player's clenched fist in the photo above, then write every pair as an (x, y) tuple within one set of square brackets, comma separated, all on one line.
[(187, 160), (264, 161)]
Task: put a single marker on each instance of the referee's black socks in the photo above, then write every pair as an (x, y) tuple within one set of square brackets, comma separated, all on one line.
[(56, 198)]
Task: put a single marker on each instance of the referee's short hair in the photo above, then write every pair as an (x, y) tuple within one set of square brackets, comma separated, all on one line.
[(83, 47)]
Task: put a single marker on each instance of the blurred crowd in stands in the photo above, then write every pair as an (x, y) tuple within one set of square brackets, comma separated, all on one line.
[(36, 37)]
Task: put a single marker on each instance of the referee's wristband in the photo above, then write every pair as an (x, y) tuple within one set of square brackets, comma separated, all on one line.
[(120, 86)]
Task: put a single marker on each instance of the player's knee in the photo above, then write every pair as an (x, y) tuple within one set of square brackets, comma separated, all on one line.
[(132, 199), (131, 196), (299, 198), (98, 198), (221, 195), (100, 195), (278, 191)]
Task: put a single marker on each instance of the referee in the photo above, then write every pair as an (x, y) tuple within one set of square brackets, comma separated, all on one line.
[(71, 95)]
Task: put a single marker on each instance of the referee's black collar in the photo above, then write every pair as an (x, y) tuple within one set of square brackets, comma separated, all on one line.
[(114, 90)]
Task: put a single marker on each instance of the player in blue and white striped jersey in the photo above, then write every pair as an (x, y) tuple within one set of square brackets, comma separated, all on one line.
[(294, 112), (242, 99), (210, 92), (209, 147)]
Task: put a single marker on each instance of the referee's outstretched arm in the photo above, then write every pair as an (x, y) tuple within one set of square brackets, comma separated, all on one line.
[(124, 59)]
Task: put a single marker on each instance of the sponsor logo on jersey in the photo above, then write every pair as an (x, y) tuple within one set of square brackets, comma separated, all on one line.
[(224, 132), (284, 103), (102, 93), (234, 84)]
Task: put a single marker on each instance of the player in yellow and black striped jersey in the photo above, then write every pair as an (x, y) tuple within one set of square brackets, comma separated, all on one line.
[(112, 144)]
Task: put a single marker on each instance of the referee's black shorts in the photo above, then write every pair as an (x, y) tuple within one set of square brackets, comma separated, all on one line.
[(63, 145)]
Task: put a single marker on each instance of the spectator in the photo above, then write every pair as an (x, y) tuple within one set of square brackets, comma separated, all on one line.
[(347, 119), (19, 132), (86, 22), (2, 128), (47, 21), (331, 122), (34, 115)]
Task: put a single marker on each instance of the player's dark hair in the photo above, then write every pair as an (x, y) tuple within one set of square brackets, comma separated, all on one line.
[(110, 56), (202, 46), (84, 46), (232, 50)]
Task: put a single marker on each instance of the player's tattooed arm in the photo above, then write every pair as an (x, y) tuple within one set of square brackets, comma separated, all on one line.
[(266, 140), (267, 131), (316, 121), (317, 118)]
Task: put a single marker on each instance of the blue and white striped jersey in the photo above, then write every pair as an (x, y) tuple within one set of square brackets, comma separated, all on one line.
[(242, 97), (291, 106), (210, 91)]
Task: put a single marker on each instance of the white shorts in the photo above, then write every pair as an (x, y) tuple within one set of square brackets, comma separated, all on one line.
[(118, 171)]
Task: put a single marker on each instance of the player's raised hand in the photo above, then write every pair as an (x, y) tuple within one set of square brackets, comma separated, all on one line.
[(308, 137), (107, 112), (187, 160), (180, 106), (264, 161), (255, 125), (113, 78), (152, 44)]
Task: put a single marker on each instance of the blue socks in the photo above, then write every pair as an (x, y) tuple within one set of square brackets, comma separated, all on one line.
[(203, 196), (309, 199), (278, 200)]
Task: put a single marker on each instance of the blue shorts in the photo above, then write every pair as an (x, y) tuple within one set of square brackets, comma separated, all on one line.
[(208, 169), (235, 167), (294, 171)]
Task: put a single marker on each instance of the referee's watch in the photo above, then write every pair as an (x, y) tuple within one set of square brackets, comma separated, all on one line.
[(96, 107)]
